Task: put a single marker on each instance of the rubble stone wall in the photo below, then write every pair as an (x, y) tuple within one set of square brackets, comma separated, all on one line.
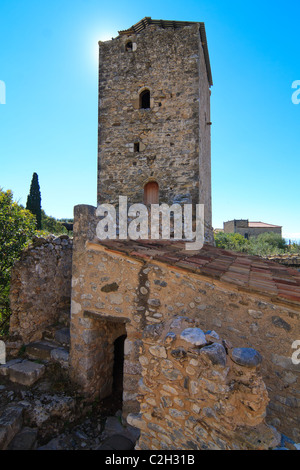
[(196, 392), (41, 287), (112, 287), (173, 134)]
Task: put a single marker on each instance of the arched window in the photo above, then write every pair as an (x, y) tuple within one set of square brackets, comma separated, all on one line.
[(145, 99), (128, 46), (151, 193)]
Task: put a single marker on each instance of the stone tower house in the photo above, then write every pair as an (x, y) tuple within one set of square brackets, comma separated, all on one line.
[(154, 116)]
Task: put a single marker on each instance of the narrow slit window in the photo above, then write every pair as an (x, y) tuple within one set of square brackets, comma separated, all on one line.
[(136, 146), (145, 99)]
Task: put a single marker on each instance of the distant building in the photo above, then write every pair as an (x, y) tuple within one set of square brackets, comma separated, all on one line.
[(250, 229)]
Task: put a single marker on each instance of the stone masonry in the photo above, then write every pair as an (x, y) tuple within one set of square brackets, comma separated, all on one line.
[(197, 392), (122, 288), (41, 287), (250, 229), (200, 341), (168, 142)]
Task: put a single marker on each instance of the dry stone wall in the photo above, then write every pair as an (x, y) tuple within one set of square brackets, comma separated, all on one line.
[(109, 286), (197, 392), (41, 287), (173, 134)]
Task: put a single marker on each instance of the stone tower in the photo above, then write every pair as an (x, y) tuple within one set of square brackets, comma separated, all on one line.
[(154, 116)]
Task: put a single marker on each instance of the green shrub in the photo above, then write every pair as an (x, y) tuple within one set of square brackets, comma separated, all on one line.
[(265, 244), (17, 226), (231, 241)]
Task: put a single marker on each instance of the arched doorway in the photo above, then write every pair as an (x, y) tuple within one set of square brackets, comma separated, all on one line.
[(151, 191)]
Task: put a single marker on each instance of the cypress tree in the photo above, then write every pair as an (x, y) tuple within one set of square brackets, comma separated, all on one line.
[(34, 201)]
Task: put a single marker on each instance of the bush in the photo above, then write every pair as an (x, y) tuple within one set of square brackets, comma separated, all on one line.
[(52, 225), (17, 226), (231, 241), (265, 244)]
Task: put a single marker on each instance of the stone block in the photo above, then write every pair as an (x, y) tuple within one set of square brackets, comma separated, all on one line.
[(247, 357), (194, 336), (40, 350), (62, 336), (26, 372), (135, 420), (4, 369), (61, 356), (216, 353), (10, 424)]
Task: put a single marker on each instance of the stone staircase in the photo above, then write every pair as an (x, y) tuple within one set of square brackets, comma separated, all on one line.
[(25, 371), (53, 347)]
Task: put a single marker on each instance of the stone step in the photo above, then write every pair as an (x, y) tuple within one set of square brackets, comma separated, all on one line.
[(57, 334), (22, 371), (61, 356), (47, 351), (49, 332), (62, 336), (11, 422), (40, 349)]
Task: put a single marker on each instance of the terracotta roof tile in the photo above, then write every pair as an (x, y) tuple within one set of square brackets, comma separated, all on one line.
[(247, 272)]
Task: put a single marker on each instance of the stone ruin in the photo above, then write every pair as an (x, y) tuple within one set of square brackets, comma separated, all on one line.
[(199, 344), (197, 392), (40, 287)]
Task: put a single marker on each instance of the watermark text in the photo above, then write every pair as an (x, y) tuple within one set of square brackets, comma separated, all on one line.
[(2, 353), (296, 94), (112, 227), (296, 354), (2, 92)]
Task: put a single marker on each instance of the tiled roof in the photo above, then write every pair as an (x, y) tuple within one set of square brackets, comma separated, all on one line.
[(261, 225), (245, 272)]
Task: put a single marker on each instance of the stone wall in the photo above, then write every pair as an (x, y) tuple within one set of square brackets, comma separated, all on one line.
[(197, 392), (41, 287), (242, 227), (288, 259), (110, 287), (255, 231), (173, 134)]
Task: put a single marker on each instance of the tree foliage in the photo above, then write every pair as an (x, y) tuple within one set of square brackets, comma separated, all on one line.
[(231, 241), (53, 225), (17, 226), (34, 200), (265, 244)]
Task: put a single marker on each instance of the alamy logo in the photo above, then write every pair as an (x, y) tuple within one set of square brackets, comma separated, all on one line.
[(138, 227), (296, 354), (2, 353), (2, 92), (296, 94)]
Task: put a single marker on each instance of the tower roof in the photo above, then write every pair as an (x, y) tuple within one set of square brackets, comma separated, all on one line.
[(147, 21)]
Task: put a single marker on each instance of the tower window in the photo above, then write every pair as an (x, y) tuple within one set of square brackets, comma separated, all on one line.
[(151, 193), (136, 147), (128, 46), (145, 99)]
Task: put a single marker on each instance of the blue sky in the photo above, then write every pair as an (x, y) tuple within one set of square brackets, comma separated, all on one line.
[(48, 62)]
